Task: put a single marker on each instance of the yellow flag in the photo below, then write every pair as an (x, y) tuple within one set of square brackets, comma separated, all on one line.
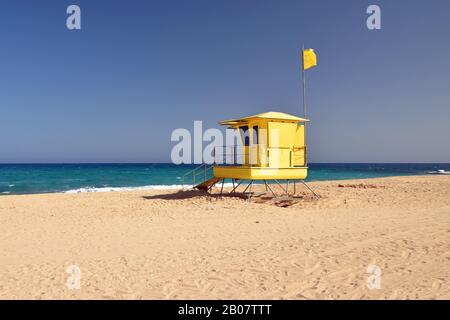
[(309, 59)]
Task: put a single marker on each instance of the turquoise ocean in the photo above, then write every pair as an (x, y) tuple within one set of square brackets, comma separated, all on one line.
[(47, 178)]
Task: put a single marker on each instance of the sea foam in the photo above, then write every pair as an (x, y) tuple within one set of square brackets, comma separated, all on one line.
[(142, 188)]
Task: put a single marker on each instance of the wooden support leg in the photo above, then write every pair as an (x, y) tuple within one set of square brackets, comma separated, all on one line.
[(267, 186), (234, 188), (249, 185), (287, 188), (280, 185), (221, 189), (315, 194)]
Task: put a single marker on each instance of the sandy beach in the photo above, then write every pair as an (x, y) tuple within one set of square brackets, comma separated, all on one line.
[(185, 245)]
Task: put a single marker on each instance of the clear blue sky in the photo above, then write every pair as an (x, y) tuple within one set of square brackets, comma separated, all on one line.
[(115, 90)]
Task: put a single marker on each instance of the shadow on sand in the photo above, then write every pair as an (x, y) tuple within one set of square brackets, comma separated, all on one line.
[(188, 194), (261, 197)]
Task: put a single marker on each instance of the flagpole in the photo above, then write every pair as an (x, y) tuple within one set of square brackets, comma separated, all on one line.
[(304, 101), (304, 82)]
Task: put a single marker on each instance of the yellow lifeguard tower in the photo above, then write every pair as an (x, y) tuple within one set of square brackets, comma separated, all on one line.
[(271, 146)]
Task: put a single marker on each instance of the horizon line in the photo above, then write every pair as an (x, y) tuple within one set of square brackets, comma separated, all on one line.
[(190, 164)]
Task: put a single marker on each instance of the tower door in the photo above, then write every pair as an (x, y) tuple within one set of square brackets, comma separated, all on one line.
[(280, 144), (254, 148), (245, 137)]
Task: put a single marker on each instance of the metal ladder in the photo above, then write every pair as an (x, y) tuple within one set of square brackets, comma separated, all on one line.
[(198, 175)]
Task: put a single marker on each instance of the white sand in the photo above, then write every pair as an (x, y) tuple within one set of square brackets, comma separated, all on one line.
[(163, 244)]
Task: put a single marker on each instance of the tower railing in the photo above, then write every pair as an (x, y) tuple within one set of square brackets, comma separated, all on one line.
[(198, 175), (237, 156)]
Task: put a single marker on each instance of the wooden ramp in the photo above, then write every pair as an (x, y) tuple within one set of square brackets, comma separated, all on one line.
[(208, 183)]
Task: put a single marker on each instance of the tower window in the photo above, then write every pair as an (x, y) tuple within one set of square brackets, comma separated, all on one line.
[(245, 136), (255, 134)]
